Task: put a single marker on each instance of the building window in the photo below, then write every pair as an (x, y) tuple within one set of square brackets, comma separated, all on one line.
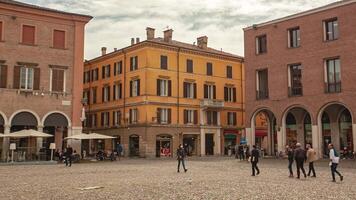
[(3, 76), (28, 34), (26, 78), (58, 78), (190, 90), (133, 63), (331, 29), (106, 94), (133, 116), (164, 115), (231, 118), (294, 37), (209, 91), (86, 96), (209, 69), (295, 87), (261, 44), (164, 62), (117, 91), (93, 120), (135, 88), (116, 118), (105, 118), (164, 87), (105, 71), (190, 117), (230, 94), (189, 66), (262, 84), (59, 39), (94, 74), (117, 68), (228, 71), (86, 78), (93, 95), (333, 76), (212, 117), (1, 31)]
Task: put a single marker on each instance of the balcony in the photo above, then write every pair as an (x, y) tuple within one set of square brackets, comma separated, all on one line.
[(295, 91), (260, 94), (333, 87), (211, 103)]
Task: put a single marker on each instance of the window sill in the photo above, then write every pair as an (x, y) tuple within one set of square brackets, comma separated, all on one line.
[(25, 44), (59, 48), (294, 47), (326, 41)]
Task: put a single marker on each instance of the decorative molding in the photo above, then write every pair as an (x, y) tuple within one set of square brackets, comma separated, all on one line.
[(58, 66)]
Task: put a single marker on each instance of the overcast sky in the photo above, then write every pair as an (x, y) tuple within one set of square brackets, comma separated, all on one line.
[(116, 21)]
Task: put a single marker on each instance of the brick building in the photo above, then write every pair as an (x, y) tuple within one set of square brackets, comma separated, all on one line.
[(41, 50), (158, 93), (300, 72)]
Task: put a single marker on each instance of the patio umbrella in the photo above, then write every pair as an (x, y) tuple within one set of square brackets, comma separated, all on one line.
[(91, 136), (27, 133), (1, 135)]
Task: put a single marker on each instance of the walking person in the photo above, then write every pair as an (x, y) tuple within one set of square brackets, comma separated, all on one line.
[(69, 153), (119, 150), (311, 157), (241, 152), (254, 160), (334, 161), (236, 151), (299, 156), (290, 153), (180, 157)]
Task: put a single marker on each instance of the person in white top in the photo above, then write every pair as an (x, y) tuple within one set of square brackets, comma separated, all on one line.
[(334, 161)]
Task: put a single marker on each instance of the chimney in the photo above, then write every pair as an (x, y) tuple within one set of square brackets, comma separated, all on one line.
[(132, 41), (150, 32), (202, 42), (168, 35), (103, 51), (137, 40)]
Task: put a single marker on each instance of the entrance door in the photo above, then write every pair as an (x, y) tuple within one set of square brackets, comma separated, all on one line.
[(209, 144), (190, 144), (134, 143), (327, 141)]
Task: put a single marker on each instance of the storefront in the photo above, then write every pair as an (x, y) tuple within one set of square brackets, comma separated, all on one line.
[(190, 144), (261, 138), (134, 145), (164, 146), (230, 139)]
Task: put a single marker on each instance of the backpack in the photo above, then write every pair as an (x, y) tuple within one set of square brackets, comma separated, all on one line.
[(336, 154)]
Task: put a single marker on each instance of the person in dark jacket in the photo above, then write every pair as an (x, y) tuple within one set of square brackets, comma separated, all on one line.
[(300, 156), (290, 153), (69, 154), (254, 160), (180, 157)]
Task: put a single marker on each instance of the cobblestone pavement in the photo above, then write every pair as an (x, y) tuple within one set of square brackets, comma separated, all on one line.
[(207, 178)]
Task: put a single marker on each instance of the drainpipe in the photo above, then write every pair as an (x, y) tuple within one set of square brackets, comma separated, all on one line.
[(124, 96), (178, 84)]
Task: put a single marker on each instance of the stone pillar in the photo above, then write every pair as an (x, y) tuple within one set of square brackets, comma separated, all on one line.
[(269, 149), (75, 144), (354, 136), (316, 140), (202, 142), (248, 136), (5, 143), (335, 135), (39, 142), (217, 138), (202, 117), (219, 120), (280, 138)]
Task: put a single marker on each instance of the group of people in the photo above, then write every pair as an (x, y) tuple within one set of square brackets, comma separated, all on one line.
[(66, 155)]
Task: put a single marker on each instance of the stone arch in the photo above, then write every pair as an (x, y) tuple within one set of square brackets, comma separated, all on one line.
[(322, 109), (69, 124), (4, 118), (28, 111), (305, 108)]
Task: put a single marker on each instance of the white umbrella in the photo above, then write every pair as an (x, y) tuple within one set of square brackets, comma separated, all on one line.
[(27, 133), (1, 135), (91, 136)]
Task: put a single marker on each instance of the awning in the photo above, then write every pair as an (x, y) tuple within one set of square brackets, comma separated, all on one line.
[(261, 133), (230, 136), (91, 136), (27, 133)]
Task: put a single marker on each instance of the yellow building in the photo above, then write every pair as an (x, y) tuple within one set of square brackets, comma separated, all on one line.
[(156, 94)]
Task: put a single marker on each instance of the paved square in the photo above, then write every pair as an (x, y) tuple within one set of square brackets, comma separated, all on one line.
[(208, 178)]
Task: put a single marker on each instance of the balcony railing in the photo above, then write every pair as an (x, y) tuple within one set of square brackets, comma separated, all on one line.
[(295, 91), (333, 87), (261, 95), (212, 103)]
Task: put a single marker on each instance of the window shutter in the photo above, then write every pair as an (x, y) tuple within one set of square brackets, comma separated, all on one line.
[(115, 68), (114, 92), (226, 93), (102, 94), (185, 116), (16, 84), (102, 119), (113, 118), (120, 67), (136, 63), (185, 95), (195, 90), (103, 72), (3, 78), (158, 87), (234, 95), (130, 116), (131, 82), (37, 76), (131, 64), (235, 119), (28, 34), (119, 118), (57, 80), (109, 66), (215, 117), (214, 91), (195, 117), (169, 116), (108, 93), (169, 88), (92, 75), (205, 91), (120, 90), (138, 87), (159, 110)]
